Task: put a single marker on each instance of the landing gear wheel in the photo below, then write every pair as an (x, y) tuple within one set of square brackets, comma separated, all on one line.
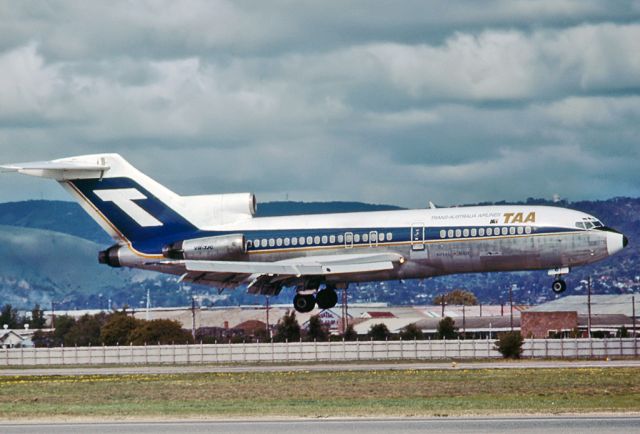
[(558, 286), (304, 303), (327, 298)]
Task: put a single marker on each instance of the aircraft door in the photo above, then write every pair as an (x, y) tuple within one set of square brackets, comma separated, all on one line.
[(417, 236), (373, 238), (348, 240)]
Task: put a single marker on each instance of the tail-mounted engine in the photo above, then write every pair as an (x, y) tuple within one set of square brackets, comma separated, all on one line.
[(223, 247), (110, 256)]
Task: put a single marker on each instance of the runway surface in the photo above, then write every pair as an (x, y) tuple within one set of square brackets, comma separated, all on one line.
[(386, 366), (562, 424)]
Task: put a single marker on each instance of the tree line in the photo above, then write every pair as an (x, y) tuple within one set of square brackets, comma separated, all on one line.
[(10, 317)]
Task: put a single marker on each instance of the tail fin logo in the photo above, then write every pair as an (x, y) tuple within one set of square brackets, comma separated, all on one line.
[(124, 199)]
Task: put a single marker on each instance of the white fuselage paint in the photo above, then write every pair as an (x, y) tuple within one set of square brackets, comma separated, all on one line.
[(548, 239)]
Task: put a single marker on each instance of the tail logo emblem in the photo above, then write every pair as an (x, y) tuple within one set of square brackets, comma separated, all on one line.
[(124, 199)]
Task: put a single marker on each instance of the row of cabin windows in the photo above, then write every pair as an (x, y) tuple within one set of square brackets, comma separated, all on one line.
[(324, 239), (481, 232)]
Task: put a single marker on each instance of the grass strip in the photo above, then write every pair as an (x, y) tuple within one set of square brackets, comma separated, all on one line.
[(323, 394)]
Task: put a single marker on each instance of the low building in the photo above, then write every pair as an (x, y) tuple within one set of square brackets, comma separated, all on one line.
[(16, 338)]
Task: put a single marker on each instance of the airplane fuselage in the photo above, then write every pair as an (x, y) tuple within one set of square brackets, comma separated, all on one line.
[(431, 241)]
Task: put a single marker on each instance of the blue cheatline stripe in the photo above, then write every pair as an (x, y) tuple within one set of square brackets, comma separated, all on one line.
[(401, 235)]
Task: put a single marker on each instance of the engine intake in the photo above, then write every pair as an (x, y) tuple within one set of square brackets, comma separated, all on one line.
[(223, 247)]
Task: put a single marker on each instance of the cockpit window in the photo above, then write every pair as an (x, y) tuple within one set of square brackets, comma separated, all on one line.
[(589, 223)]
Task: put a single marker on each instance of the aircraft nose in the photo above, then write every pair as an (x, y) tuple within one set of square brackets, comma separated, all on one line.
[(615, 242)]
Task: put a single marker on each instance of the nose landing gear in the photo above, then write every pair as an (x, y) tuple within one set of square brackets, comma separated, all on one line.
[(558, 286)]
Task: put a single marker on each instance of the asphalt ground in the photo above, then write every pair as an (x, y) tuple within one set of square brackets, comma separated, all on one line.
[(318, 367), (583, 424)]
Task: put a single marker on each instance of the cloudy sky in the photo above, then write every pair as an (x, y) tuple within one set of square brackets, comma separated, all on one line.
[(383, 102)]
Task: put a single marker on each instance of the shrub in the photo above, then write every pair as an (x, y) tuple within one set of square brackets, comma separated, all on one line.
[(163, 331), (510, 345), (287, 329), (411, 332), (447, 329), (379, 332)]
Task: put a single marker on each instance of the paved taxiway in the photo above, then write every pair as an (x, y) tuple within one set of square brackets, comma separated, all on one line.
[(195, 369), (560, 424)]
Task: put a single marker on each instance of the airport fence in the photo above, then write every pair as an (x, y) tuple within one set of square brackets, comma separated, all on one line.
[(314, 352)]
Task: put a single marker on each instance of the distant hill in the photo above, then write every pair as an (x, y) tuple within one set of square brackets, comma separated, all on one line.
[(48, 251)]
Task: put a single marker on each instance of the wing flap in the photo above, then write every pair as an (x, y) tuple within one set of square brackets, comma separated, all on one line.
[(304, 266)]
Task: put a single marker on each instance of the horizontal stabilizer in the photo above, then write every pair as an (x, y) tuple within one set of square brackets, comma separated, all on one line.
[(63, 169)]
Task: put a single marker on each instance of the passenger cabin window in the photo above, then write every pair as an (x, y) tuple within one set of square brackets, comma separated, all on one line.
[(316, 239), (389, 236), (294, 241), (340, 238), (324, 239), (365, 238), (504, 231), (301, 241), (458, 233), (481, 232), (272, 242), (443, 233), (512, 230), (309, 240), (286, 241), (520, 230), (489, 231), (279, 242), (474, 232), (381, 236), (465, 233), (332, 239), (356, 238), (450, 233), (527, 229)]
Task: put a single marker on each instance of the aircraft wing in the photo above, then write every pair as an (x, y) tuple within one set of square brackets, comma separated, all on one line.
[(270, 277)]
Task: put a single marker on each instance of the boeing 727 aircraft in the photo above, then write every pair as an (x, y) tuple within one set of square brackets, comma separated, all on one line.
[(217, 240)]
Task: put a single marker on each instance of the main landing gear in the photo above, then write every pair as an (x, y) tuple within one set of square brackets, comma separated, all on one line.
[(325, 298)]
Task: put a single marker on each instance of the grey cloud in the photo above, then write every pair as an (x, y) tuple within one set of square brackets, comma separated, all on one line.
[(491, 101)]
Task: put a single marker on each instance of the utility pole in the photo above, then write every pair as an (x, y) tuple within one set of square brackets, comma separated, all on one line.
[(193, 317), (633, 316), (148, 315), (464, 320), (345, 318), (511, 306), (268, 326), (589, 306)]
